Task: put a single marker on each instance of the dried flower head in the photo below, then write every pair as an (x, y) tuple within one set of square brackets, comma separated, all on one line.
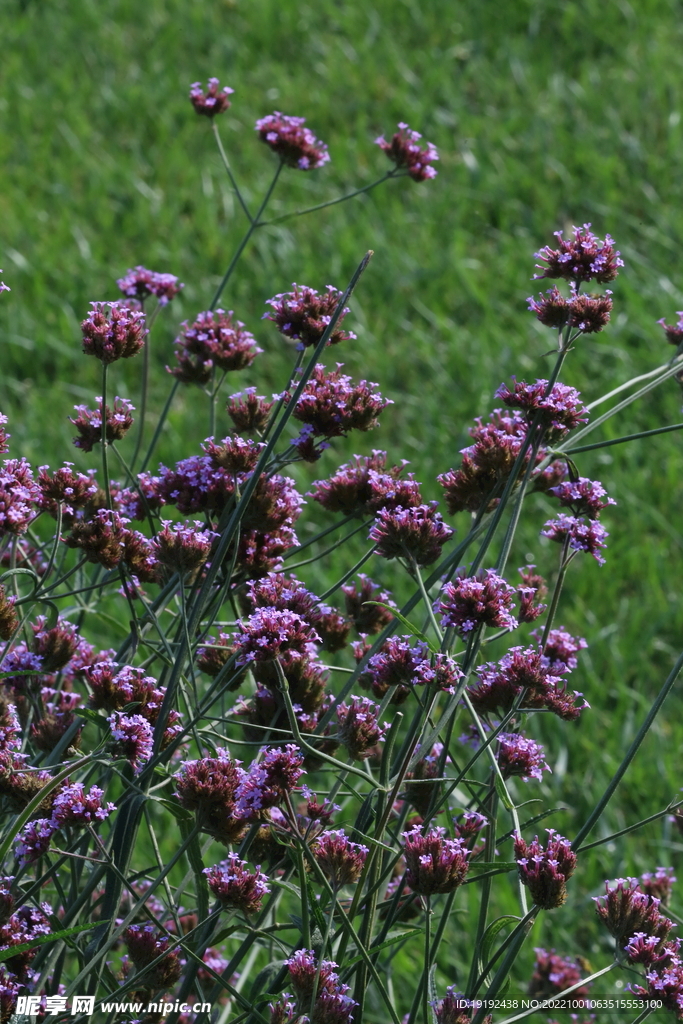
[(213, 101), (295, 145), (404, 150), (546, 870), (112, 332)]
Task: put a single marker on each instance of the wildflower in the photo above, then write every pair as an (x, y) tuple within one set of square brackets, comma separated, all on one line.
[(19, 668), (133, 737), (434, 864), (55, 646), (213, 339), (249, 411), (33, 841), (217, 652), (141, 557), (418, 533), (454, 1008), (546, 871), (137, 502), (585, 313), (471, 601), (235, 886), (268, 780), (332, 1004), (359, 728), (517, 755), (18, 495), (284, 1010), (72, 807), (366, 605), (333, 405), (58, 716), (304, 315), (418, 790), (269, 633), (398, 663), (111, 332), (533, 589), (211, 102), (580, 534), (674, 334), (233, 454), (364, 487), (101, 538), (521, 669), (651, 951), (658, 883), (183, 547), (557, 411), (559, 654), (405, 151), (581, 258), (10, 727), (88, 423), (554, 973), (20, 785), (140, 283), (341, 860), (665, 988), (25, 924), (66, 488), (4, 287), (145, 945), (468, 825), (626, 910), (208, 788), (8, 616), (295, 145), (583, 496)]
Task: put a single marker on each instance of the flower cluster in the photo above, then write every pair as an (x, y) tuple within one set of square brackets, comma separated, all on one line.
[(581, 258), (112, 332), (214, 339), (333, 405), (518, 755), (269, 780), (331, 1000), (146, 945), (235, 886), (248, 411), (524, 670), (405, 151), (71, 808), (213, 101), (340, 859), (367, 605), (545, 870), (585, 313), (140, 283), (553, 974), (578, 534), (183, 547), (557, 408), (305, 314), (415, 533), (366, 486), (471, 601), (88, 423), (71, 490), (295, 145), (434, 864), (19, 494), (208, 787), (359, 728)]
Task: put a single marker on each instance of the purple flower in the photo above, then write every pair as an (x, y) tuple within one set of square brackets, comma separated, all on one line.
[(651, 951), (405, 151), (359, 728), (88, 423), (367, 616), (234, 454), (558, 411), (517, 755), (213, 101), (213, 339), (581, 258), (586, 313), (268, 633), (72, 807), (235, 886), (658, 883), (471, 601), (4, 287), (365, 486), (140, 283), (665, 987), (583, 496), (183, 547), (101, 539), (73, 491), (418, 532), (626, 910), (145, 945), (304, 314), (420, 790), (295, 145), (560, 652), (454, 1008), (111, 332), (333, 405), (533, 590), (501, 683), (4, 436), (434, 864), (546, 870), (21, 665), (580, 534), (399, 663), (268, 780), (248, 411), (56, 646), (554, 973), (133, 738), (18, 495), (208, 787), (468, 825), (674, 334), (341, 860), (34, 840), (332, 1005)]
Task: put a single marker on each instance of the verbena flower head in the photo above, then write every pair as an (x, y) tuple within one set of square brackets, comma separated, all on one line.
[(454, 1008), (625, 910), (580, 533), (359, 728), (581, 258), (366, 486), (434, 864), (583, 496), (558, 411), (145, 944), (585, 313), (34, 840), (651, 951), (72, 807), (554, 973), (235, 886), (665, 987), (208, 787), (268, 780), (546, 870), (420, 790), (214, 339), (468, 826), (72, 490), (234, 454), (140, 283), (269, 633), (674, 332), (341, 860), (404, 150), (500, 684), (333, 405), (530, 594), (658, 883), (4, 436), (19, 493), (470, 601), (183, 547), (295, 145), (101, 539), (401, 663), (112, 332), (332, 1004), (418, 533), (368, 617), (518, 755), (248, 411), (55, 646), (212, 101), (133, 738), (561, 649), (88, 423), (304, 315)]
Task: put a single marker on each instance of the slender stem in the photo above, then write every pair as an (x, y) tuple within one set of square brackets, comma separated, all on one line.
[(144, 390), (160, 424), (331, 202), (105, 454), (627, 384), (622, 440), (226, 164), (425, 597), (427, 967)]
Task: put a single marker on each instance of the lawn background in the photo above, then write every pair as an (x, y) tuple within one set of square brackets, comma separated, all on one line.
[(545, 114)]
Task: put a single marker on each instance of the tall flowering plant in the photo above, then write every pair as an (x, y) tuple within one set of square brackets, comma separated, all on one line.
[(212, 821)]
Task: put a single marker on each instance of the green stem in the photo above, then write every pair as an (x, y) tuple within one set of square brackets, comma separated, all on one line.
[(160, 424), (331, 202), (427, 967), (105, 461), (622, 440), (143, 399), (226, 164)]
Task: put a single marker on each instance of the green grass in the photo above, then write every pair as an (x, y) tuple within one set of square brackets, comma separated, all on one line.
[(545, 114)]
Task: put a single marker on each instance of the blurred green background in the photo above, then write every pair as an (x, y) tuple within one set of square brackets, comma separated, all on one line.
[(545, 114)]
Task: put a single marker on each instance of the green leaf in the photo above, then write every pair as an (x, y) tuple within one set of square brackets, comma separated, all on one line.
[(179, 813), (391, 940), (92, 716), (42, 940), (265, 978), (490, 934), (501, 790)]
